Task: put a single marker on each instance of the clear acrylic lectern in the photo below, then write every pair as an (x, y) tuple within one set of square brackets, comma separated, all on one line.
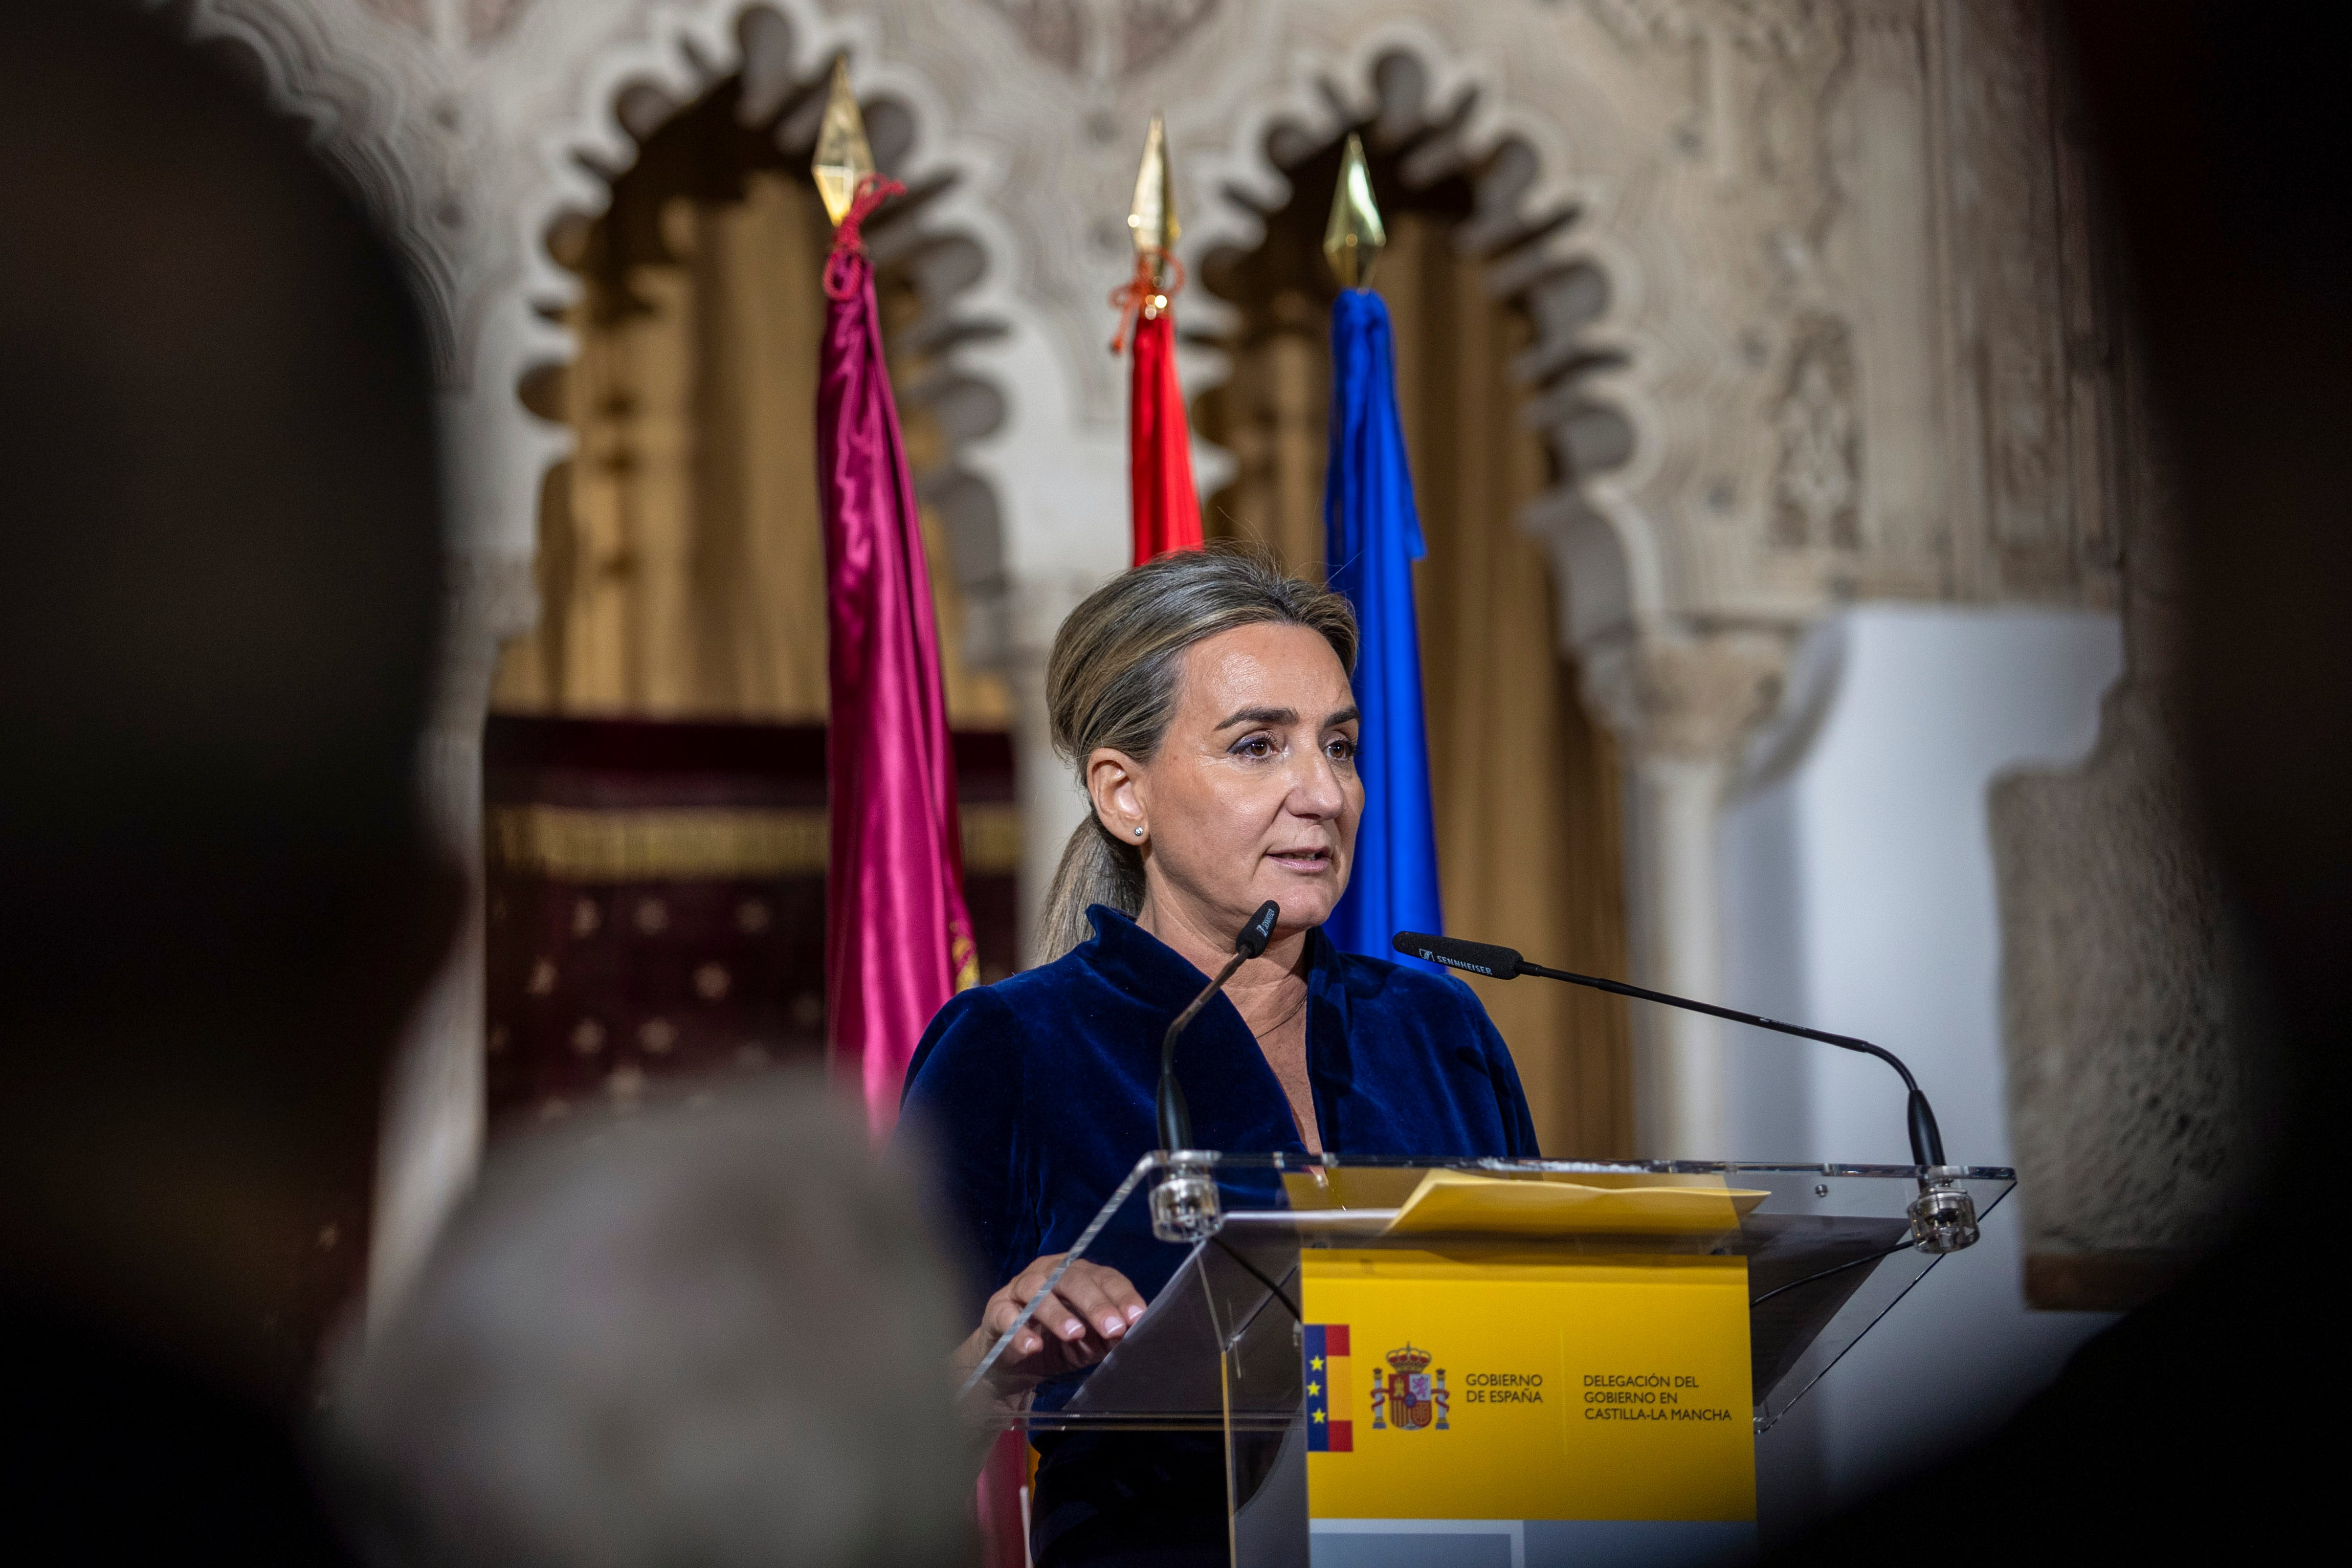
[(1825, 1250)]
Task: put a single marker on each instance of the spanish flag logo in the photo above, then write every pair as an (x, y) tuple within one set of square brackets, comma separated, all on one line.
[(1329, 1388)]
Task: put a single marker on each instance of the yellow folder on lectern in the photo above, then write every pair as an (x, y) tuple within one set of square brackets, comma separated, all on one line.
[(1466, 1203)]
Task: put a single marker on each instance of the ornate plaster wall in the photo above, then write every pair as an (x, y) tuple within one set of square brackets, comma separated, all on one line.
[(1805, 264)]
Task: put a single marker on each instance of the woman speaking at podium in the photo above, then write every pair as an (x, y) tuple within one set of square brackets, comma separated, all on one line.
[(1204, 699)]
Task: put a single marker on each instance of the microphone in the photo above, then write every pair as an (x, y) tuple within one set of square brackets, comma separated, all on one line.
[(1184, 1204), (1175, 1120), (1943, 1218)]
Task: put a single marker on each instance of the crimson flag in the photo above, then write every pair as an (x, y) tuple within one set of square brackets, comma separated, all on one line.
[(1165, 508), (898, 939)]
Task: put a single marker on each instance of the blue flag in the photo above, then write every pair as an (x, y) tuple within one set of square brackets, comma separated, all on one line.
[(1371, 538)]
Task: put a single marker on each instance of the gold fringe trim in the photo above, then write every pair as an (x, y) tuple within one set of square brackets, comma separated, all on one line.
[(569, 843)]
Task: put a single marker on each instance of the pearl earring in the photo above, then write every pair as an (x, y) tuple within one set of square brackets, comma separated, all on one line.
[(1139, 832)]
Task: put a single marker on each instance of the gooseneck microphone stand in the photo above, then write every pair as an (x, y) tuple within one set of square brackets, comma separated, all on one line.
[(1943, 1217), (1184, 1204)]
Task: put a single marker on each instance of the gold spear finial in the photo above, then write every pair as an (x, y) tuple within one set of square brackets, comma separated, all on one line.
[(1152, 217), (1353, 239), (844, 157)]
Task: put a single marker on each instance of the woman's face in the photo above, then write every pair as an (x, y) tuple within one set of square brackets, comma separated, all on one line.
[(1254, 793)]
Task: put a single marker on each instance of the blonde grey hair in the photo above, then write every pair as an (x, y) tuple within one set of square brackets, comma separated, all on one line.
[(1112, 682)]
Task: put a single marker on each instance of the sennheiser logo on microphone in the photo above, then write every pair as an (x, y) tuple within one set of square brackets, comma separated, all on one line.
[(1458, 964)]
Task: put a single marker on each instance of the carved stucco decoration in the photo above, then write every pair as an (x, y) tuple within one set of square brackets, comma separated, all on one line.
[(1698, 224), (779, 94), (1817, 480), (470, 126), (1103, 39), (1754, 184), (481, 20)]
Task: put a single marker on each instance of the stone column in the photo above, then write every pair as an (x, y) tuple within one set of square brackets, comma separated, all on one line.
[(1891, 171), (1681, 706), (431, 1139)]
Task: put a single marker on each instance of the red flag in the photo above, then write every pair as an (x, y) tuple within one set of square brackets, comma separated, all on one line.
[(1165, 508), (1167, 511), (1164, 505), (898, 936)]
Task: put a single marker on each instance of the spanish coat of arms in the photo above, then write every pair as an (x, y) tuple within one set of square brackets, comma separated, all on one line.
[(1408, 1395)]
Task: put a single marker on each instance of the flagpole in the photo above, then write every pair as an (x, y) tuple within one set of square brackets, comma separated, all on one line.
[(1164, 508)]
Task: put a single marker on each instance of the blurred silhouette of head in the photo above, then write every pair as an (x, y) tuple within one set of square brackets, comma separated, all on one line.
[(218, 619), (715, 1334)]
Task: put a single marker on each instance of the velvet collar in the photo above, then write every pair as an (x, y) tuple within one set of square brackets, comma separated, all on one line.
[(1133, 961), (1149, 970), (1138, 965)]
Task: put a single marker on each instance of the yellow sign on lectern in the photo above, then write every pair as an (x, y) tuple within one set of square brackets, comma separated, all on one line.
[(1486, 1386)]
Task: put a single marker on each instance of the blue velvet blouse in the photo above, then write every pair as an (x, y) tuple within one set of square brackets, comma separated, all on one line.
[(1036, 1094)]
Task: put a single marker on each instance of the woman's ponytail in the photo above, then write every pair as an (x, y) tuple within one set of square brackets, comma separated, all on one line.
[(1096, 869)]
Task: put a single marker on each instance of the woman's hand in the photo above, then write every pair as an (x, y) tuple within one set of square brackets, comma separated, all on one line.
[(1089, 1311)]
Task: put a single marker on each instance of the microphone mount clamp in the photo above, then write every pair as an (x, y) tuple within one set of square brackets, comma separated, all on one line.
[(1185, 1206)]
